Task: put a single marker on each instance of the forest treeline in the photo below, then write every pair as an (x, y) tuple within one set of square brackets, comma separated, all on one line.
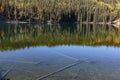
[(61, 10)]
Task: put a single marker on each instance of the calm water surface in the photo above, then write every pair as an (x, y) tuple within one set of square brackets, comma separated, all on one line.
[(59, 52)]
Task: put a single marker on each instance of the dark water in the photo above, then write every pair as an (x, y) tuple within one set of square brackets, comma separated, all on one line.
[(59, 52)]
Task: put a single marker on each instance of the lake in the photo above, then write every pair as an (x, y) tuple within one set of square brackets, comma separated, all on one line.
[(59, 52)]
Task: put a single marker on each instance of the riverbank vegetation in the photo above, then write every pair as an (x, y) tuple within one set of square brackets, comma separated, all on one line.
[(61, 10), (22, 36)]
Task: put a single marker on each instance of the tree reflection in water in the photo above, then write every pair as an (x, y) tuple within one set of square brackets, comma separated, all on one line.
[(24, 35)]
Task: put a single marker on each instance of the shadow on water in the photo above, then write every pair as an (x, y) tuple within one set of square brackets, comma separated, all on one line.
[(24, 35)]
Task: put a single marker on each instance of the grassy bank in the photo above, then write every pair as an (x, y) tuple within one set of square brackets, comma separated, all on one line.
[(61, 10)]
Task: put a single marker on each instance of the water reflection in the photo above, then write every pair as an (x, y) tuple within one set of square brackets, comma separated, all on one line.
[(78, 52), (62, 63), (25, 35)]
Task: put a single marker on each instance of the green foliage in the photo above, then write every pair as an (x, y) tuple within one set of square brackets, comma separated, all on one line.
[(62, 10)]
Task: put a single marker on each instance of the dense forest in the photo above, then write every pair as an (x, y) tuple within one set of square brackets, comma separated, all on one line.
[(24, 35), (61, 10)]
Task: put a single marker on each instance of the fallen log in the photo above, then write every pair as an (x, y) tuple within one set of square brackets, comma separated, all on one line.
[(61, 69), (7, 72)]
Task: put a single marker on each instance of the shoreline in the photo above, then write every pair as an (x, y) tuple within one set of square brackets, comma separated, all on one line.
[(48, 22), (114, 23), (37, 21)]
